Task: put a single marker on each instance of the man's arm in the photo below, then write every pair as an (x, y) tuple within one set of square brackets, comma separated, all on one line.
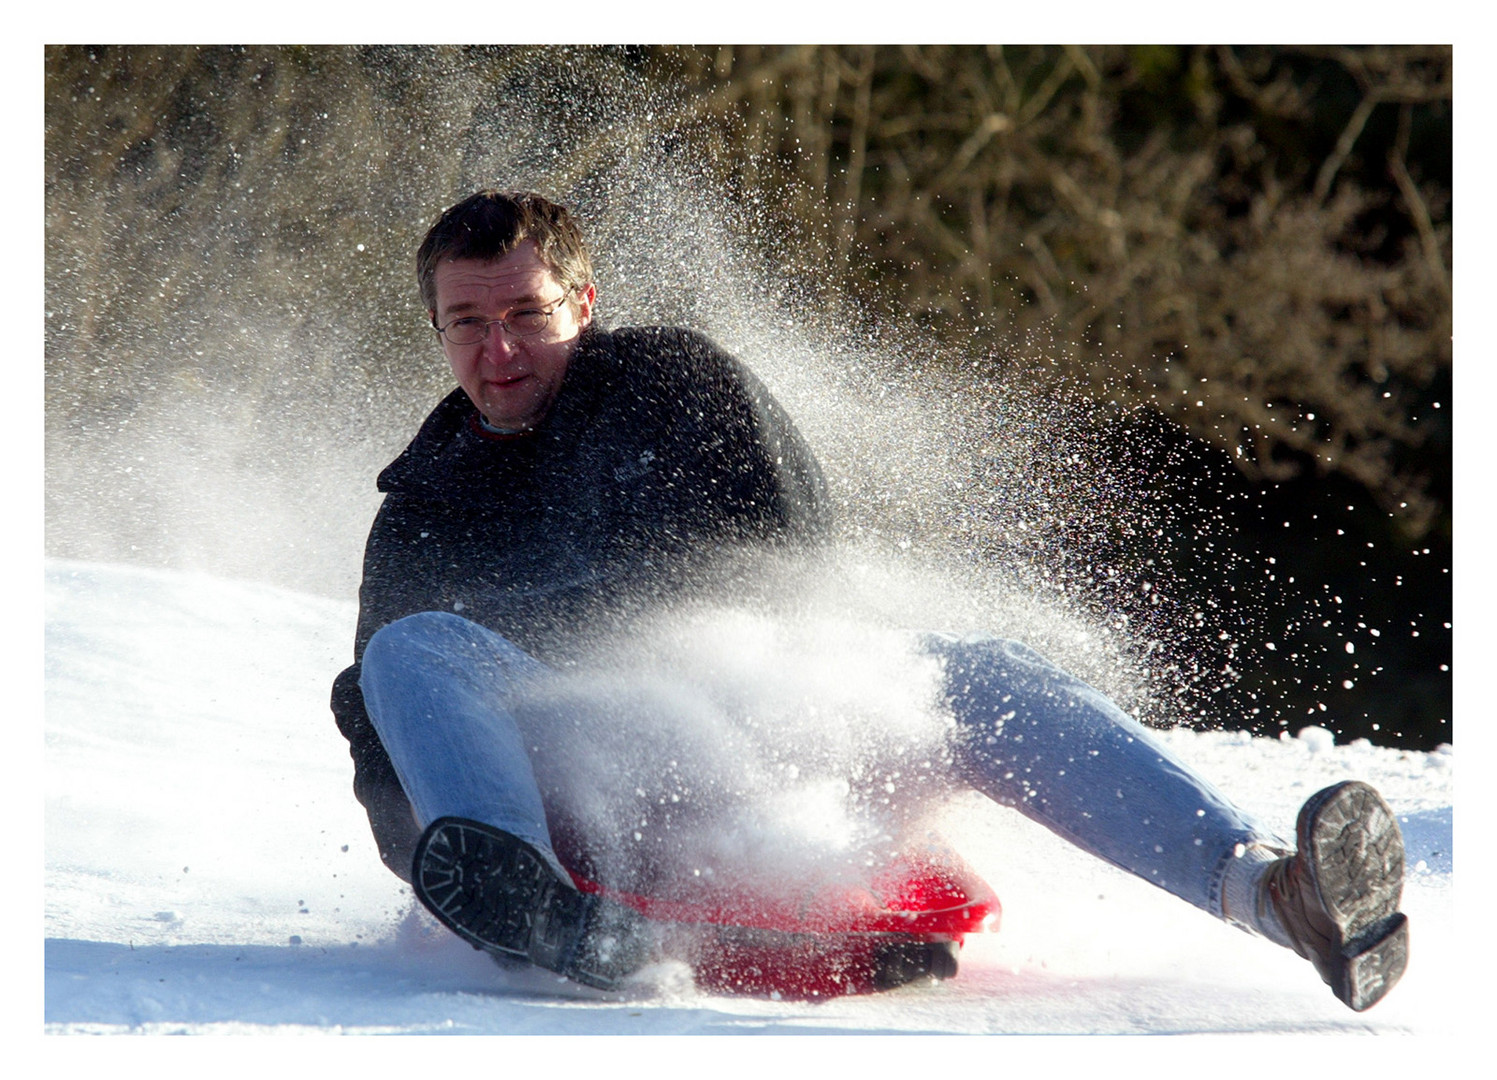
[(793, 478), (760, 479)]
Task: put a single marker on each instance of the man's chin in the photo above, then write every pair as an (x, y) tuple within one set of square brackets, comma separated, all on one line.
[(512, 419)]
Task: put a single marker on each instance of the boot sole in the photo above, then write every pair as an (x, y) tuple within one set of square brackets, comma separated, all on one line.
[(483, 885), (498, 894), (1372, 966), (1354, 852)]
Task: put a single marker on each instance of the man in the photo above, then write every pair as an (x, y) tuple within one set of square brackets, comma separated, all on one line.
[(580, 479)]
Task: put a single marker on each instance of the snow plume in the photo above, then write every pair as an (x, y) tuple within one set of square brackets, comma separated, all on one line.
[(244, 440), (733, 742), (998, 507), (252, 430)]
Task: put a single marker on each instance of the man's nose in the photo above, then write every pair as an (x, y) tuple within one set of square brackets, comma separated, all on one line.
[(500, 343)]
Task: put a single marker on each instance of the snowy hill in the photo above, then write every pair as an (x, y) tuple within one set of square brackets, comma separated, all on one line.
[(208, 870)]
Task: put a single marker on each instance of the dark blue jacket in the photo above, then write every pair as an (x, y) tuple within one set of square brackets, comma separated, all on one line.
[(661, 463)]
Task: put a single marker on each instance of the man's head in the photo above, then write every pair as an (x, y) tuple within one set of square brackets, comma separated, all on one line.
[(490, 224), (507, 282)]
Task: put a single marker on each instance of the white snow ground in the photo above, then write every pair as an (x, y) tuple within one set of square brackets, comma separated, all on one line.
[(209, 872)]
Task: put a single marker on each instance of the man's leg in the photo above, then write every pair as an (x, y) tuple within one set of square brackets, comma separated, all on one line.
[(441, 691), (1036, 738)]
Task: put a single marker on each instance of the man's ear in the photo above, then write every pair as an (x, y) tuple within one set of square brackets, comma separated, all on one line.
[(586, 295)]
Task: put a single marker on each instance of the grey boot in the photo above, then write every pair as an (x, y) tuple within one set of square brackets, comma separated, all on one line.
[(1337, 896)]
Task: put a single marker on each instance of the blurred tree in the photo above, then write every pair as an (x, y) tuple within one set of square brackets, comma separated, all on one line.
[(1256, 242), (190, 189)]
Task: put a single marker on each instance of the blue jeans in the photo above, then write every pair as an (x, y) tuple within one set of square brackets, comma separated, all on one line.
[(455, 707)]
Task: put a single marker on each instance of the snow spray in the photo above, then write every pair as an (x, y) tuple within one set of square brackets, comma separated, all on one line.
[(807, 736), (813, 727)]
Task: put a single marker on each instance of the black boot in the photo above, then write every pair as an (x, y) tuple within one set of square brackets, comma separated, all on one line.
[(498, 894), (904, 962)]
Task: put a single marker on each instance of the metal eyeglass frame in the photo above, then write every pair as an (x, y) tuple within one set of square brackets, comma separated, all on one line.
[(548, 311)]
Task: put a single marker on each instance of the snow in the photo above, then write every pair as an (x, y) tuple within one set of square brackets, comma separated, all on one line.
[(209, 872)]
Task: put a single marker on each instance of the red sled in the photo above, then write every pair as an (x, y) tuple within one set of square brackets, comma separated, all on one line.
[(826, 934), (905, 922)]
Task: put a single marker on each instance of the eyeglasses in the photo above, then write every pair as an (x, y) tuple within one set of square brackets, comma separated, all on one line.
[(527, 322)]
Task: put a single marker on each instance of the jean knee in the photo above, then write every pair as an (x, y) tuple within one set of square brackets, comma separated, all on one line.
[(424, 626), (439, 632), (454, 643), (984, 656)]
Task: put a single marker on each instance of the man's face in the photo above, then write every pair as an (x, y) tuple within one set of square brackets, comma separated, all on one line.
[(512, 381)]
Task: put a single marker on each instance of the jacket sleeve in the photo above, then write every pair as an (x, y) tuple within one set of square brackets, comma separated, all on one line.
[(762, 473), (791, 476)]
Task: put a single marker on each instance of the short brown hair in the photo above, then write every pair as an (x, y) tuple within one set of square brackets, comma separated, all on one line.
[(490, 224)]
